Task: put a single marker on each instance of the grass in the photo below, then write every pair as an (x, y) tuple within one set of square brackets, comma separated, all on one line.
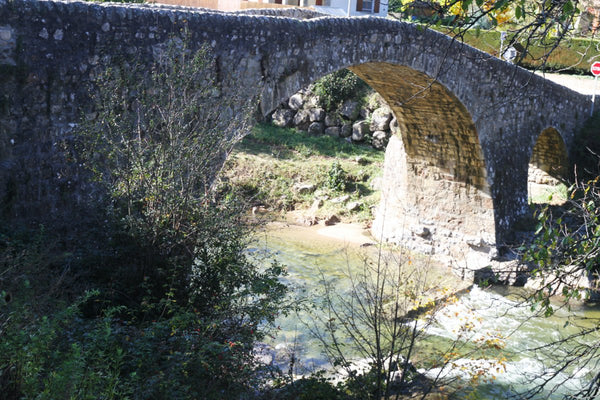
[(267, 167), (548, 194), (574, 55)]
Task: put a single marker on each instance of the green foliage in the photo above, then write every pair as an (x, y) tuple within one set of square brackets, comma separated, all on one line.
[(313, 387), (335, 88), (572, 54), (283, 142), (267, 166), (160, 300), (566, 245), (336, 177)]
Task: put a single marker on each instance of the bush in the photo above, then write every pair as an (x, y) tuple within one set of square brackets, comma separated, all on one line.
[(336, 177), (160, 300), (335, 88)]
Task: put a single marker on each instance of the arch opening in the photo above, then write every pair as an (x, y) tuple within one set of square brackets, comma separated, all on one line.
[(548, 169), (435, 194)]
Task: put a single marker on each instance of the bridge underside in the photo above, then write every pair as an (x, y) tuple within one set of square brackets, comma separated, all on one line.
[(435, 195)]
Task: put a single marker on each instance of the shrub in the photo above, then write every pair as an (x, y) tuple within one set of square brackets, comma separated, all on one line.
[(335, 88), (336, 177), (160, 300)]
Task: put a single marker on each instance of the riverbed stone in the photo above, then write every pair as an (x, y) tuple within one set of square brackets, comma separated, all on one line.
[(359, 130), (340, 199), (296, 101), (354, 206), (316, 128), (331, 220), (283, 117), (305, 188)]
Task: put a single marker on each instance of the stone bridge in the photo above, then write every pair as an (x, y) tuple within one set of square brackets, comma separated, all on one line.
[(468, 123)]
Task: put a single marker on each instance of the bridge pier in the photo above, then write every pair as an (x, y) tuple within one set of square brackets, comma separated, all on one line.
[(425, 210)]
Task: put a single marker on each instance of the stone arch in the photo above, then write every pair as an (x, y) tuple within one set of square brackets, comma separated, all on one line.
[(270, 57), (549, 162), (435, 193), (548, 165)]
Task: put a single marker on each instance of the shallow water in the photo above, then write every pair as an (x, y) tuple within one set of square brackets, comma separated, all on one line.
[(496, 313)]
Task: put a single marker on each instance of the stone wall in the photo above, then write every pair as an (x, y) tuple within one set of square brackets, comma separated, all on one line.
[(371, 123)]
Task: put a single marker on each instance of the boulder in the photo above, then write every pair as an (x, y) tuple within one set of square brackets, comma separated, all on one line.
[(331, 120), (316, 114), (380, 140), (283, 117), (346, 130), (315, 128), (350, 110), (361, 160), (304, 188), (302, 120), (307, 220), (380, 121), (331, 220), (353, 206), (365, 113), (359, 130), (296, 101), (318, 203), (341, 199), (333, 131)]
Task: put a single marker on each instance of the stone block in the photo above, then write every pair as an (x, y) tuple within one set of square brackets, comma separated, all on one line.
[(380, 120), (316, 128), (350, 110), (359, 130), (302, 120), (380, 140), (316, 114), (331, 120), (296, 101), (346, 130), (283, 117), (333, 131)]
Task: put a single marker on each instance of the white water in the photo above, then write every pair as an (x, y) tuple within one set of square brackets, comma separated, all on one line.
[(517, 330)]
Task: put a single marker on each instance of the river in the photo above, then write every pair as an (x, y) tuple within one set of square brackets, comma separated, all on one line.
[(519, 358)]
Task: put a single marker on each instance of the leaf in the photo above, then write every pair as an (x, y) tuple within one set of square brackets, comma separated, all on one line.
[(568, 8), (518, 12), (466, 4)]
